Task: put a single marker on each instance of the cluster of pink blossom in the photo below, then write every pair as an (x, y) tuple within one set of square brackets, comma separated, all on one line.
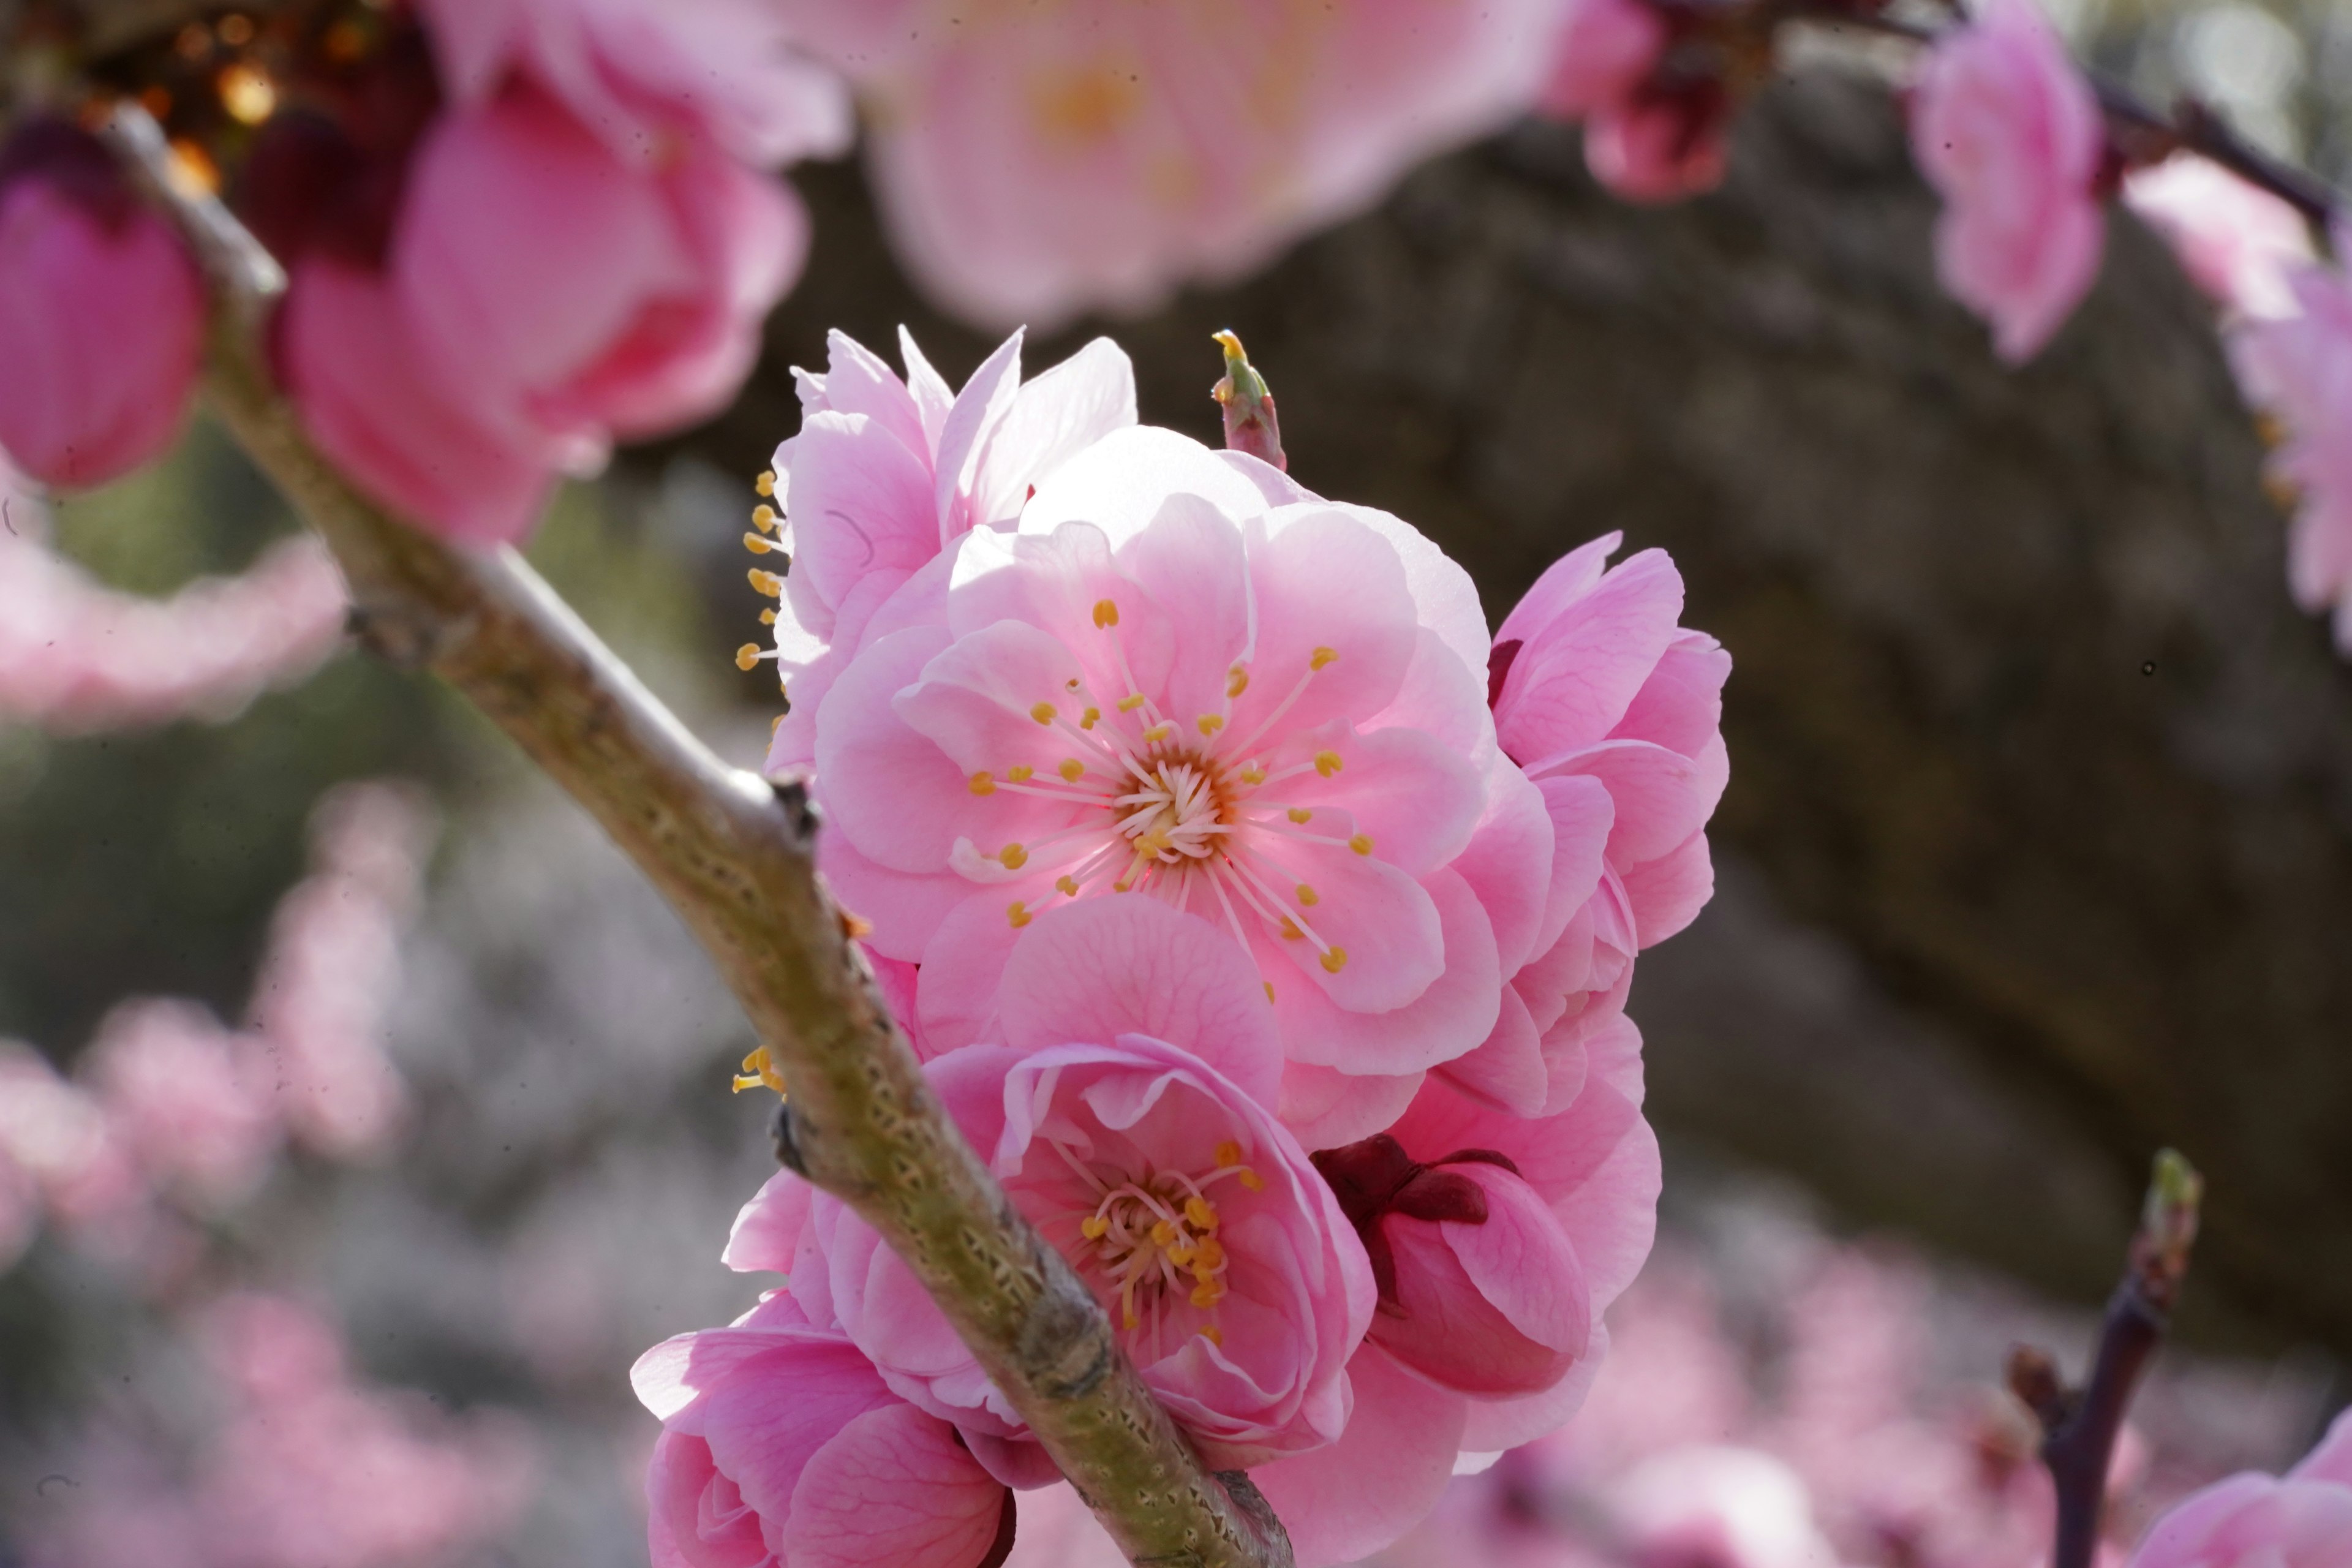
[(516, 231), (1264, 922), (308, 1469), (77, 657), (172, 1115)]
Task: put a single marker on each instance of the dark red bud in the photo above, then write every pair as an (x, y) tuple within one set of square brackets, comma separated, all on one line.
[(73, 163), (1364, 1176), (1434, 1195), (1480, 1157)]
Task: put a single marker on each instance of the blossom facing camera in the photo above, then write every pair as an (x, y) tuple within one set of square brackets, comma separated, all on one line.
[(101, 313), (1187, 679), (2009, 133), (2301, 1520), (781, 1444), (887, 473), (1127, 1116)]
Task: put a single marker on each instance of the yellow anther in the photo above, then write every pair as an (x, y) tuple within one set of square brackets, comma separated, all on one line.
[(1066, 886), (1228, 1153), (1106, 613), (1269, 990), (1198, 1211), (1253, 774), (1308, 897), (766, 483), (1300, 813), (748, 657), (1333, 961), (1181, 1256), (1211, 723), (1328, 762), (767, 618), (1163, 1234), (1043, 712), (1127, 1317), (756, 545), (1207, 1255), (1213, 1334), (1072, 769), (775, 724), (1018, 913), (764, 517), (1094, 1228), (1250, 1179), (1012, 857), (760, 1071), (767, 582), (1093, 716), (1323, 656), (1157, 734), (981, 783), (1290, 931), (1236, 682), (1361, 844), (1130, 702), (1018, 774), (1206, 1294), (1151, 842)]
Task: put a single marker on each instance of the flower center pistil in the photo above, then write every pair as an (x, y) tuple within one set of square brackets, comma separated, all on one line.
[(1154, 1236)]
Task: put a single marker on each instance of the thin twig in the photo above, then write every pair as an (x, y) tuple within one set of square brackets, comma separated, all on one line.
[(732, 855), (2079, 1426)]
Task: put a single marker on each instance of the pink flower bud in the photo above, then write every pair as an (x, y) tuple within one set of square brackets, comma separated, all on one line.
[(1606, 49), (100, 314), (1661, 143)]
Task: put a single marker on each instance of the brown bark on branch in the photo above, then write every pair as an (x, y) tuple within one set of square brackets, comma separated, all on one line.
[(733, 857)]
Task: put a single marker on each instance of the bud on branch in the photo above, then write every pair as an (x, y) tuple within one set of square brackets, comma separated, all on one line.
[(1242, 393)]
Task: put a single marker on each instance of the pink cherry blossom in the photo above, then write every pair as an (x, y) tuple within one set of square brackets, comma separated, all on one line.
[(77, 657), (2005, 127), (781, 1443), (2300, 368), (100, 314), (1036, 160), (1716, 1504), (2238, 242), (2302, 1519), (886, 474), (1126, 1115), (1614, 713), (1187, 677), (644, 78)]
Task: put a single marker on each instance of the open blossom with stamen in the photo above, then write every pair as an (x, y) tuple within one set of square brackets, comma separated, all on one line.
[(885, 474), (1189, 680), (2302, 1519), (2300, 369), (1123, 1116)]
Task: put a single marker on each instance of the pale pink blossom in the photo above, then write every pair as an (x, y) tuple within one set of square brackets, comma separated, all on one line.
[(2237, 242), (78, 657), (1613, 713), (1126, 1113), (1187, 677), (645, 78), (2301, 1520), (2007, 130), (2300, 369), (183, 1101), (101, 312), (1716, 1506), (782, 1444), (1034, 161), (885, 474)]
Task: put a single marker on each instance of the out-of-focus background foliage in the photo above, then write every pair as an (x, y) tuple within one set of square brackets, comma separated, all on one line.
[(2038, 848)]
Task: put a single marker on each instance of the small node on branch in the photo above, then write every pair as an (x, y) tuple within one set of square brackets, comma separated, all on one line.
[(1250, 423), (2080, 1426)]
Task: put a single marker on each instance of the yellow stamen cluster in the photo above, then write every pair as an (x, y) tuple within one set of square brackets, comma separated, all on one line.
[(760, 1070)]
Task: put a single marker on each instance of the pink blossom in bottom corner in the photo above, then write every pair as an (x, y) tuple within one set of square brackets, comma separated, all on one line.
[(781, 1443), (2301, 1520), (2006, 128), (101, 312), (2300, 369)]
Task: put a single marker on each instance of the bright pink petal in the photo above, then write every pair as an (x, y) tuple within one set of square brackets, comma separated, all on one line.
[(895, 1487), (1324, 580), (767, 1232), (1668, 892), (1419, 798), (1054, 417), (1420, 985), (1327, 1110), (1507, 1069), (1378, 1481), (1507, 863), (1573, 681), (859, 501)]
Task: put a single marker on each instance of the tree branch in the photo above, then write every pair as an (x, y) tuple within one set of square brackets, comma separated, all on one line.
[(2080, 1426), (732, 855)]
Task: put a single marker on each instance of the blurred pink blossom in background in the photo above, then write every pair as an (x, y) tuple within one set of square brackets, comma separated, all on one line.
[(2005, 127), (2299, 369), (1036, 160), (174, 1114), (77, 657), (2236, 242), (308, 1468), (101, 312), (2302, 1520)]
